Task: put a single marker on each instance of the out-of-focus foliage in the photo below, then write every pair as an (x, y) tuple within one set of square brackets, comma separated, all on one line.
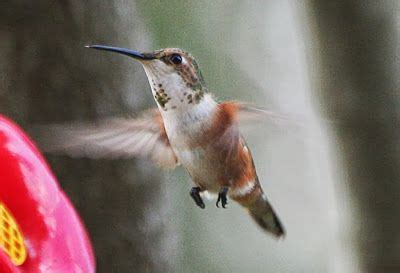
[(359, 87), (47, 76)]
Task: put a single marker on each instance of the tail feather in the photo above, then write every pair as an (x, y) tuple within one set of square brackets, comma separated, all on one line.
[(264, 215)]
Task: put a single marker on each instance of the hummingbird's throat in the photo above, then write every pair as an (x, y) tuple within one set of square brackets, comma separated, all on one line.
[(173, 89)]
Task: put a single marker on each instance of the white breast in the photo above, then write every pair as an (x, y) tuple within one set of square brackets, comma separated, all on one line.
[(183, 128), (187, 123)]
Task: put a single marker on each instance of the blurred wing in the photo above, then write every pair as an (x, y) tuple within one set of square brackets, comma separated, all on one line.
[(249, 114), (113, 138)]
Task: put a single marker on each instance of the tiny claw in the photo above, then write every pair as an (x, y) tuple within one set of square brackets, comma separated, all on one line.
[(195, 194), (223, 201), (222, 197)]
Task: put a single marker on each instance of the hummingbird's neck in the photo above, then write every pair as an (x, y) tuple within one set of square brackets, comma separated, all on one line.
[(193, 112), (175, 91)]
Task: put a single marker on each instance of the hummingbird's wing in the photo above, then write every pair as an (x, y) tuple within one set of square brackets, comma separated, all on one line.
[(111, 138), (247, 114)]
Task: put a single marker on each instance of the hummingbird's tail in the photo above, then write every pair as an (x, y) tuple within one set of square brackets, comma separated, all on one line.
[(263, 213)]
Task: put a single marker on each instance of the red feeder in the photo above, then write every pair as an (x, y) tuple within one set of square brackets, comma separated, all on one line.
[(40, 231)]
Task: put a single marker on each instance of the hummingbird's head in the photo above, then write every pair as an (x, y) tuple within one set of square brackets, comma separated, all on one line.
[(173, 74)]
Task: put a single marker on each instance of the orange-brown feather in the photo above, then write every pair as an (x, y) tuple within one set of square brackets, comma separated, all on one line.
[(231, 154)]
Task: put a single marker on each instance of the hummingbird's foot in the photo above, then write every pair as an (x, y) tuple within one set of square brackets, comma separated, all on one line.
[(222, 197), (195, 194)]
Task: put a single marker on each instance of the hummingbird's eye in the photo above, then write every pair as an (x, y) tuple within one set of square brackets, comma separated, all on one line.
[(176, 58)]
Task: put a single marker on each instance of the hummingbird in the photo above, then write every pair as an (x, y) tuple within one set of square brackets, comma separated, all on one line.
[(189, 128)]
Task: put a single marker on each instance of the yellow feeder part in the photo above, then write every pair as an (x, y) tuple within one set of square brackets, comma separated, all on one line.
[(11, 239)]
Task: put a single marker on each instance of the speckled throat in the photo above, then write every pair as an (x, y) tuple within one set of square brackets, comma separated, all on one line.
[(175, 86)]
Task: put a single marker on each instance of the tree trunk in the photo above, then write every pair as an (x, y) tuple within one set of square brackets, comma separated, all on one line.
[(47, 76), (359, 88)]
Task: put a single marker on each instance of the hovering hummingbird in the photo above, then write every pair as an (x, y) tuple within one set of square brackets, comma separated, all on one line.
[(189, 128)]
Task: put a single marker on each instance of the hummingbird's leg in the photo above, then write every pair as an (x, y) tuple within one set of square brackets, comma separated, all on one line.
[(222, 197), (195, 194)]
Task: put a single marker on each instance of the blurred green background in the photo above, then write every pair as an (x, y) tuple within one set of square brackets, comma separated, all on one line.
[(334, 181)]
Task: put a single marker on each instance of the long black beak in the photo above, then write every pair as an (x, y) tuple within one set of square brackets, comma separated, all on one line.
[(124, 51)]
